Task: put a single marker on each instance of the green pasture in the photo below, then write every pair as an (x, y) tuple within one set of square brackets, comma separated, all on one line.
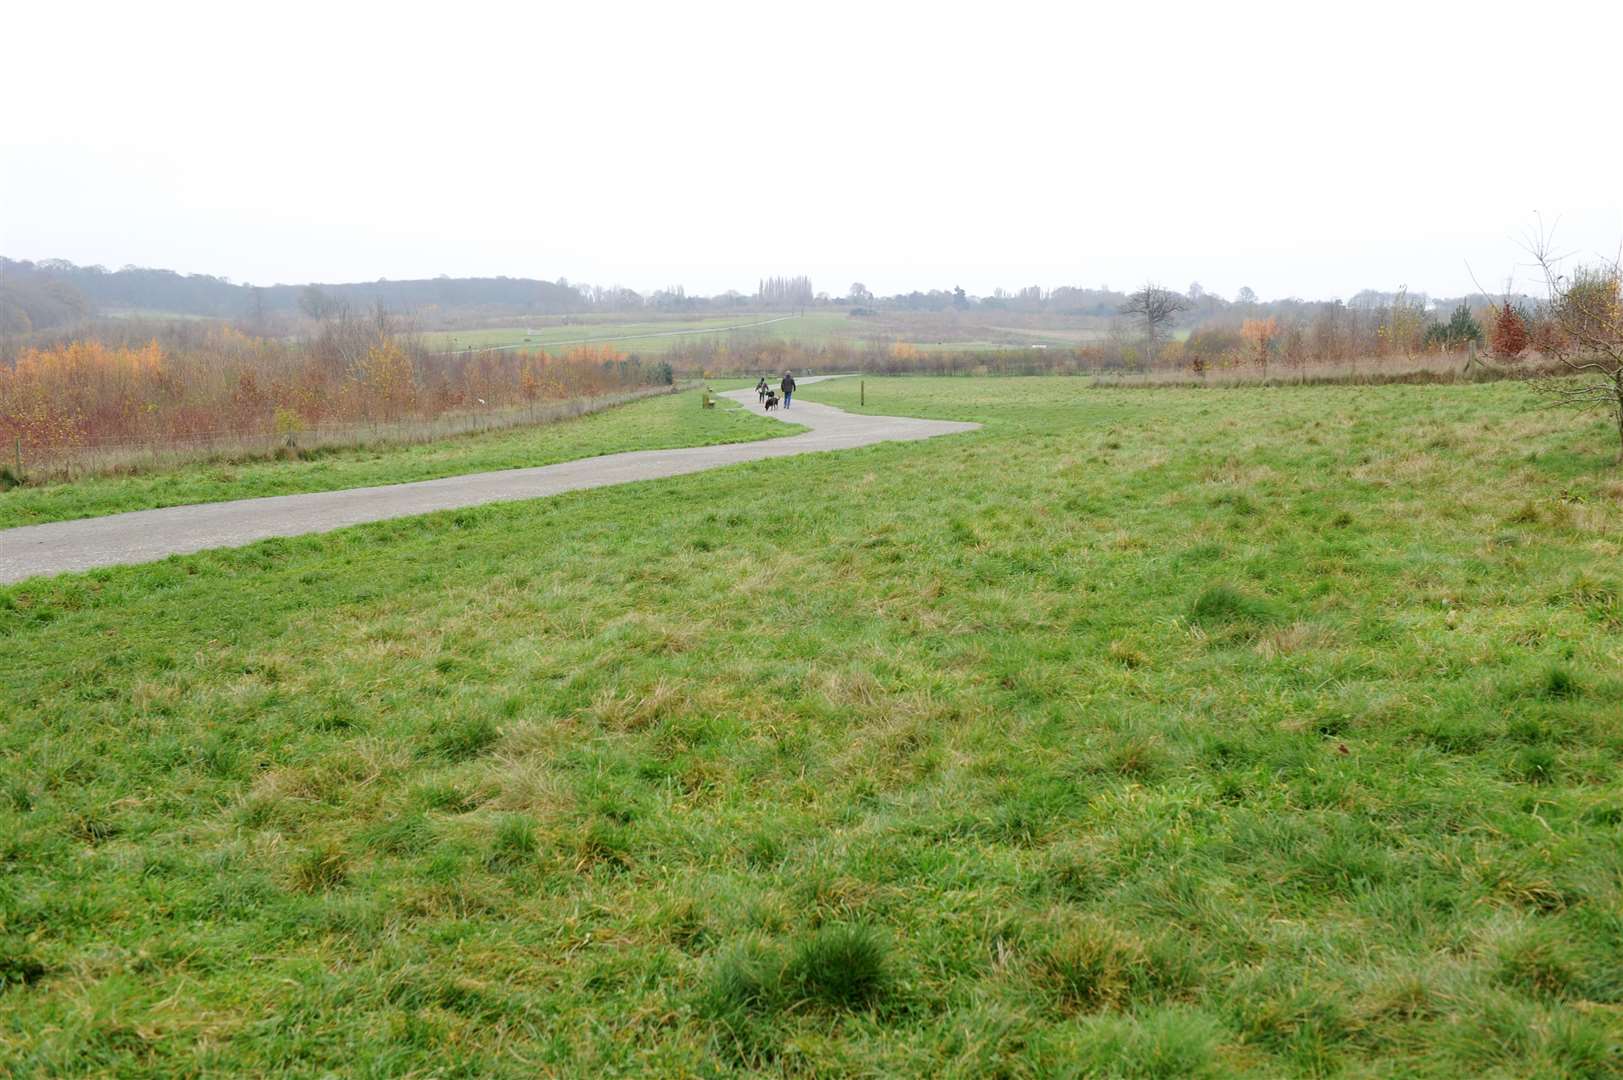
[(1253, 732)]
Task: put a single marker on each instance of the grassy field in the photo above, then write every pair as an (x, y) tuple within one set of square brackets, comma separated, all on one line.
[(1140, 733), (653, 424), (937, 330), (639, 336)]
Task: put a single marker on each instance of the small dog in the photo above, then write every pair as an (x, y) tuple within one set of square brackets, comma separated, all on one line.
[(771, 400)]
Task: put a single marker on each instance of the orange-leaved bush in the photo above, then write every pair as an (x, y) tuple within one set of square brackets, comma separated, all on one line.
[(1509, 337), (220, 382)]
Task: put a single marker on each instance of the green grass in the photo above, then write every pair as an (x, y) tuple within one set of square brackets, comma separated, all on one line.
[(653, 424), (814, 328), (1140, 733), (642, 336)]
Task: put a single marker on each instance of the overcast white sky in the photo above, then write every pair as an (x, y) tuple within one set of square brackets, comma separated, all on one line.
[(1299, 148)]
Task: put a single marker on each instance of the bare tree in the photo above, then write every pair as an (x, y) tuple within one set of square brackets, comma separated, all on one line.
[(317, 304), (1155, 306), (1586, 308)]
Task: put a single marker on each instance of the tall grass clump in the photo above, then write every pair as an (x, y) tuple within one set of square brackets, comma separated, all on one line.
[(1223, 605), (841, 966), (321, 868), (514, 844), (465, 737)]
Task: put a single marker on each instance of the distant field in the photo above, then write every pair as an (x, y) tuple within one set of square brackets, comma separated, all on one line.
[(656, 335), (1078, 336), (929, 331), (148, 313), (1258, 732), (640, 337)]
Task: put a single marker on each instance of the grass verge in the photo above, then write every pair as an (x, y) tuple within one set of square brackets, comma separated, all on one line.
[(658, 423)]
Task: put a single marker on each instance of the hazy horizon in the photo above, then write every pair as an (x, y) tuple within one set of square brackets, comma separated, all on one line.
[(1526, 284), (905, 148)]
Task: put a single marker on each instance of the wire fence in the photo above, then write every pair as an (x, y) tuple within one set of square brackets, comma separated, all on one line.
[(91, 456)]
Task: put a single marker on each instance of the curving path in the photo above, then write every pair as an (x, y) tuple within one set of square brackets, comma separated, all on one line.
[(147, 535)]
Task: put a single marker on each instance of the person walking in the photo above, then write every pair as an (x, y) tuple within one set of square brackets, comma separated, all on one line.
[(788, 387), (760, 389)]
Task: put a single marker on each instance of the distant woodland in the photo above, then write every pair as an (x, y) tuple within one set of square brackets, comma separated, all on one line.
[(55, 294)]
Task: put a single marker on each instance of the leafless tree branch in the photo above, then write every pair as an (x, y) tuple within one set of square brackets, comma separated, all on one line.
[(1586, 306)]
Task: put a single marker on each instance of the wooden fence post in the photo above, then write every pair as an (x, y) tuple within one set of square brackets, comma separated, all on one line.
[(862, 392)]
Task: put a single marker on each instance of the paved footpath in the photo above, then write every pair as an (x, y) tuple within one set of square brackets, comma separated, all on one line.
[(147, 535)]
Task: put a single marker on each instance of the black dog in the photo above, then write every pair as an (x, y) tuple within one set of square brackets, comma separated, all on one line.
[(771, 401)]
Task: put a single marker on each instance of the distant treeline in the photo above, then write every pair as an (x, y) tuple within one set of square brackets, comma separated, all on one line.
[(785, 292), (31, 302), (54, 293), (1325, 341)]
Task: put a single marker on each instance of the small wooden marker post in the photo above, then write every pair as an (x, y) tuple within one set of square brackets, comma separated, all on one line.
[(862, 392)]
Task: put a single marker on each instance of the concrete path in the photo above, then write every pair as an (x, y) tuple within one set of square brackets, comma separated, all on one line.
[(147, 535)]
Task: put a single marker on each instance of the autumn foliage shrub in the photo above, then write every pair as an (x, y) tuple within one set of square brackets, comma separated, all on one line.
[(1260, 336), (1213, 348), (225, 383), (1509, 338)]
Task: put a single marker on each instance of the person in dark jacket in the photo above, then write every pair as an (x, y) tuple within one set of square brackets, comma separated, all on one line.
[(788, 388), (760, 389)]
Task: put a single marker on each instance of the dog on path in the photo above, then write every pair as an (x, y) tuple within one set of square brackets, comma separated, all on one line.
[(771, 401)]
